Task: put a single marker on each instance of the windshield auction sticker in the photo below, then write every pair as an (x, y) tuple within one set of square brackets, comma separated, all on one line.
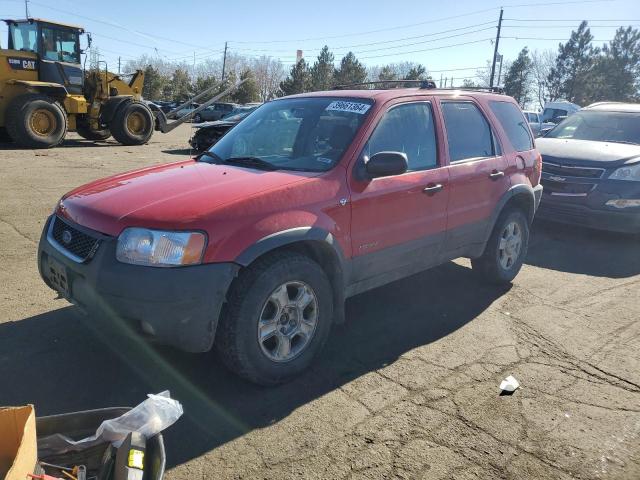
[(353, 107)]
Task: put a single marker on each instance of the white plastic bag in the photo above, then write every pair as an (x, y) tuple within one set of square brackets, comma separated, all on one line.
[(149, 418)]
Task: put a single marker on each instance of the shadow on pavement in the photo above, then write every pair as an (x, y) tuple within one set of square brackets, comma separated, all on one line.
[(60, 362), (567, 248)]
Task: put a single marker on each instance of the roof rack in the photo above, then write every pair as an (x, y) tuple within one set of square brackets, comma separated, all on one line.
[(389, 84), (476, 89)]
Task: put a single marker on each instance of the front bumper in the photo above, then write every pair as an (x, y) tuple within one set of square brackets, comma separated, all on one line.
[(590, 209), (177, 306)]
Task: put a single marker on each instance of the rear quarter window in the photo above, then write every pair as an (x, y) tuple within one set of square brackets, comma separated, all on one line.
[(514, 124)]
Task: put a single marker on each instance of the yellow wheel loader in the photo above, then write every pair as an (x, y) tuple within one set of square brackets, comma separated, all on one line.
[(45, 91)]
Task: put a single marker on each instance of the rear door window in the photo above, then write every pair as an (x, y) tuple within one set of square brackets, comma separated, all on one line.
[(513, 124), (407, 128), (468, 132)]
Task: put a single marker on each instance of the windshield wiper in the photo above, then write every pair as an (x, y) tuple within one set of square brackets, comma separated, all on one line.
[(208, 154), (254, 162)]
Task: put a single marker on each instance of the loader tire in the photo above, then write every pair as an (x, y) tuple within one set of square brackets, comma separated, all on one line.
[(132, 124), (36, 121), (96, 135)]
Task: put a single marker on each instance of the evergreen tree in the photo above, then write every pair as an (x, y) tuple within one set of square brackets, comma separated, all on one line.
[(350, 71), (417, 72), (202, 83), (517, 81), (322, 72), (180, 85), (298, 81), (154, 83), (573, 68), (618, 68), (387, 73), (248, 91)]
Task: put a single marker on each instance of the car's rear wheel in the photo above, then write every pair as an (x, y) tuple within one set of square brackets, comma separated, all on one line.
[(197, 118), (277, 318), (506, 249)]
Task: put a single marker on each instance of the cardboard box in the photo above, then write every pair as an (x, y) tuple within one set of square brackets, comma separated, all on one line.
[(18, 442)]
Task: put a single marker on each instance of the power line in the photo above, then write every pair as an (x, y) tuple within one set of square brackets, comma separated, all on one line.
[(567, 20), (429, 49), (371, 31), (492, 22)]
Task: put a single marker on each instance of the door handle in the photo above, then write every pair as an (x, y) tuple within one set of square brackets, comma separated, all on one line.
[(431, 189), (495, 175)]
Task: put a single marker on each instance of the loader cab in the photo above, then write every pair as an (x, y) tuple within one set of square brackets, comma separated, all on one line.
[(57, 47)]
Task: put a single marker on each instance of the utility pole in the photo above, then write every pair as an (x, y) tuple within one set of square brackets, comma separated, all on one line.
[(495, 50), (440, 80), (26, 9), (118, 65), (224, 61)]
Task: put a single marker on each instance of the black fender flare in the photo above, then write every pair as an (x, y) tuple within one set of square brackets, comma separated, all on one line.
[(112, 105), (300, 235), (523, 190)]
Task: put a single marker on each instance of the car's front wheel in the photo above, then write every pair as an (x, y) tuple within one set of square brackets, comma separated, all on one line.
[(506, 249), (277, 319)]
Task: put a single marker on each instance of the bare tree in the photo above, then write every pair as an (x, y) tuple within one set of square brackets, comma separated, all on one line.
[(268, 72), (542, 63)]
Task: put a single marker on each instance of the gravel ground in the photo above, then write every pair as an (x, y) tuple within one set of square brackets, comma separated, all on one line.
[(407, 388)]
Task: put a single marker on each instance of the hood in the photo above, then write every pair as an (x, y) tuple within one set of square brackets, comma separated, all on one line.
[(587, 152), (170, 196)]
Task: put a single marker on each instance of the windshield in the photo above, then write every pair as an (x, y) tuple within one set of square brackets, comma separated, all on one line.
[(308, 134), (24, 37), (60, 44), (620, 127)]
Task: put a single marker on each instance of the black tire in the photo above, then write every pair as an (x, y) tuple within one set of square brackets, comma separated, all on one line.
[(237, 335), (129, 132), (493, 265), (4, 136), (197, 118), (96, 135), (36, 121)]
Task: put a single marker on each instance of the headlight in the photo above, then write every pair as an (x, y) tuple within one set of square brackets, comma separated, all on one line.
[(631, 172), (156, 248)]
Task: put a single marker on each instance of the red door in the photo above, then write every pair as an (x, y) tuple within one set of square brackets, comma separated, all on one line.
[(399, 222), (478, 174)]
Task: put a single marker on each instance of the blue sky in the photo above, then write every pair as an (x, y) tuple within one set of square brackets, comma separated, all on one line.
[(445, 36)]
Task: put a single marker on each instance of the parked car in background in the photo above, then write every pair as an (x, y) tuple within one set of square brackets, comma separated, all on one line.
[(555, 112), (209, 133), (214, 112), (188, 110), (311, 199), (591, 168), (535, 122)]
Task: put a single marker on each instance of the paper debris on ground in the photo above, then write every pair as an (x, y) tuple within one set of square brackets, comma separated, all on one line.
[(509, 384)]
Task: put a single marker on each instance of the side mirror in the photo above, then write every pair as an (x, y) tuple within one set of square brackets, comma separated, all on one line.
[(386, 164)]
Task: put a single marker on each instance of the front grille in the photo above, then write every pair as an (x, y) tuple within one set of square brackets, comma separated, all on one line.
[(571, 171), (566, 188), (69, 238)]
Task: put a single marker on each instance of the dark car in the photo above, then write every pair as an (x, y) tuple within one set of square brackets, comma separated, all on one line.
[(209, 133), (214, 112), (591, 168)]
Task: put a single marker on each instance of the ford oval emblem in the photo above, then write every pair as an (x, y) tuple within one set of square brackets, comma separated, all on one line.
[(66, 237)]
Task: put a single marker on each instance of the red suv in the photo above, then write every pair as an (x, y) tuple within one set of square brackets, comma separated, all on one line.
[(255, 245)]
